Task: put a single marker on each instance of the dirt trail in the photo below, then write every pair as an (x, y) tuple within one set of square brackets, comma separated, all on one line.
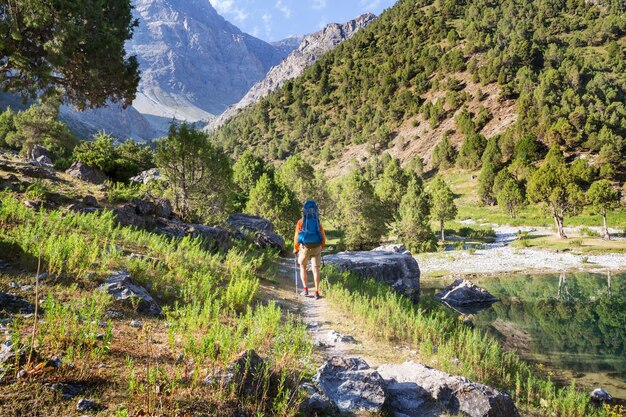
[(327, 325)]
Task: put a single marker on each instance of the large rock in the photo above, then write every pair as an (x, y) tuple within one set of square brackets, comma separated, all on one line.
[(397, 269), (86, 173), (262, 230), (416, 390), (123, 288), (462, 293), (214, 237), (37, 152), (127, 216), (145, 177), (351, 385)]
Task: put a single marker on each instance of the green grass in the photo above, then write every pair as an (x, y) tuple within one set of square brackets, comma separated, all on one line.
[(209, 301), (439, 337), (469, 207)]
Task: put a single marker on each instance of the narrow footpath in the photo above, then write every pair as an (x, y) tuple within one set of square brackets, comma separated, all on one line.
[(334, 333)]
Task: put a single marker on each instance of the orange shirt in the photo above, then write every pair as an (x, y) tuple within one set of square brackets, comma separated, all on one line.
[(296, 245)]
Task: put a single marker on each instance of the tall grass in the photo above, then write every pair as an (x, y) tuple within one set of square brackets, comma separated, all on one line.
[(209, 300), (447, 343)]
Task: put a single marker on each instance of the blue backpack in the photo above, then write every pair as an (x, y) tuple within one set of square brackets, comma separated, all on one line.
[(310, 235)]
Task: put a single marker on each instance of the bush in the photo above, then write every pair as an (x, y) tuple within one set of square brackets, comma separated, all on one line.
[(120, 163)]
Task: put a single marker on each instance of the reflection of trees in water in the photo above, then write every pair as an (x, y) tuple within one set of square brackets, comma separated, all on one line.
[(581, 316)]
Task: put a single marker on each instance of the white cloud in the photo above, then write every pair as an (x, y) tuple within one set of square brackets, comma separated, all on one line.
[(318, 4), (283, 8), (240, 15), (223, 6)]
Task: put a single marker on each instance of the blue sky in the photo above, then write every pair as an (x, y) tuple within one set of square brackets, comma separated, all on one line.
[(272, 20)]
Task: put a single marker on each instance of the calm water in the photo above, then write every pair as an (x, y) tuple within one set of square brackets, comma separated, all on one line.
[(574, 323)]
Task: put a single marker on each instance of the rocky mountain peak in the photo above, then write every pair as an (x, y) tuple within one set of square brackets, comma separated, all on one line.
[(310, 50)]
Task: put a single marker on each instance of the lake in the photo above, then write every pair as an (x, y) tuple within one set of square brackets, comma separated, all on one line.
[(573, 324)]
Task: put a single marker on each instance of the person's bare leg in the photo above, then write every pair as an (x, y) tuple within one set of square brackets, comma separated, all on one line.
[(303, 275), (316, 277)]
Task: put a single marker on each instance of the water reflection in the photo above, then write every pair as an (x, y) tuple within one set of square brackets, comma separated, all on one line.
[(575, 322)]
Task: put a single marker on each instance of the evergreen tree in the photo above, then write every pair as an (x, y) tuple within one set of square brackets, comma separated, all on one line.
[(443, 207), (39, 125), (247, 170), (414, 213), (7, 125), (554, 186), (50, 45), (444, 154), (199, 174), (359, 213), (391, 187), (603, 197), (471, 152), (485, 184), (492, 154), (510, 197), (273, 200), (299, 176)]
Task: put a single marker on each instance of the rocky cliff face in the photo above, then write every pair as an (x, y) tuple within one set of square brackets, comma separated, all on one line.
[(310, 50), (194, 64)]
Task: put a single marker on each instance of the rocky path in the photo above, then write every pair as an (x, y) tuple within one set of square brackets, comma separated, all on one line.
[(334, 333)]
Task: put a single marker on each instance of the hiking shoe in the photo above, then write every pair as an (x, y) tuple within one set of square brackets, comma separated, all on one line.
[(317, 296), (305, 293)]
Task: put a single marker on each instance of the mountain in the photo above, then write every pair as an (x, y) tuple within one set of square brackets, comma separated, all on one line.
[(310, 49), (551, 71), (194, 64), (287, 45)]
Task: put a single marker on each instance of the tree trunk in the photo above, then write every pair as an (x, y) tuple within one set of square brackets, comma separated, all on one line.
[(559, 225), (606, 236), (443, 233)]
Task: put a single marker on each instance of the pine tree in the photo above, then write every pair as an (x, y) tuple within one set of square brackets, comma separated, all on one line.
[(485, 184), (510, 197), (360, 213), (444, 154), (603, 197), (414, 213), (443, 207), (273, 200), (391, 187), (554, 186)]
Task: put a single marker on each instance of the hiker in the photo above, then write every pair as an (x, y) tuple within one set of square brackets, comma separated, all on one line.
[(308, 243)]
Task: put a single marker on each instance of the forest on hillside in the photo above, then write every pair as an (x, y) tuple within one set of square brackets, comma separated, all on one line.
[(563, 63)]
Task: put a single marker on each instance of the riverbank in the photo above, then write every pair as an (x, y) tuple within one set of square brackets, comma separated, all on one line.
[(504, 256)]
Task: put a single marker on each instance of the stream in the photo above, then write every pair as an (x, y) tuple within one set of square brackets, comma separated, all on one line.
[(572, 323)]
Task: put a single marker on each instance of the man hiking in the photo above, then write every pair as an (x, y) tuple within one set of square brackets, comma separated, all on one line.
[(308, 243)]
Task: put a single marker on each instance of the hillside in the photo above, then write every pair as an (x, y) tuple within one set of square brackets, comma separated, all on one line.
[(309, 50), (553, 70)]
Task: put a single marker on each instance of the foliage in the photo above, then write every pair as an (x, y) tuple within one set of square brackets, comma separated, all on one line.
[(248, 169), (486, 179), (273, 200), (360, 213), (553, 185), (414, 218), (492, 154), (527, 150), (198, 172), (603, 197), (444, 154), (49, 46), (510, 197), (471, 152), (7, 125), (391, 186), (583, 172), (38, 125), (119, 162), (443, 207)]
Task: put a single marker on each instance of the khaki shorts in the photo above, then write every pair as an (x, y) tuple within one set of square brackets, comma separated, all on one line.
[(314, 254)]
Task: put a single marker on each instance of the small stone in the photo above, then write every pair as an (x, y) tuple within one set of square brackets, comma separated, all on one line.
[(90, 201), (27, 316), (599, 395), (26, 287), (13, 285), (136, 324), (86, 405), (21, 374)]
